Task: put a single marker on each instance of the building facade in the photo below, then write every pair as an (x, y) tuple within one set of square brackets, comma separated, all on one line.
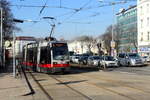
[(143, 27), (20, 41), (127, 29), (81, 47)]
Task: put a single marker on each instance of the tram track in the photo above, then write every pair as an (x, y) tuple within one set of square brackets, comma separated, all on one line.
[(115, 82), (109, 90), (80, 93), (41, 87), (119, 83), (60, 82)]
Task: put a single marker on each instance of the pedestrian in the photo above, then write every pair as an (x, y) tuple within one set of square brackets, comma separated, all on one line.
[(6, 57)]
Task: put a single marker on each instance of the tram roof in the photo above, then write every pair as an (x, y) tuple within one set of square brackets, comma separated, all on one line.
[(45, 43)]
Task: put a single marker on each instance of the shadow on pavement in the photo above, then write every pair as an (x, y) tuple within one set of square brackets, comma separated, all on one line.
[(78, 70), (71, 82), (5, 70)]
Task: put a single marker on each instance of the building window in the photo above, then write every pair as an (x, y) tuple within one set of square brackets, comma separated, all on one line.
[(141, 36), (148, 21), (141, 23), (148, 8), (148, 36), (141, 8)]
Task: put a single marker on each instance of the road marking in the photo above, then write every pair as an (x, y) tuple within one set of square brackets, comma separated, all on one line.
[(127, 73)]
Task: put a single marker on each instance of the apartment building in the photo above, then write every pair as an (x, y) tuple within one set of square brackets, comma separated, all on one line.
[(143, 8), (81, 47), (20, 41), (127, 25)]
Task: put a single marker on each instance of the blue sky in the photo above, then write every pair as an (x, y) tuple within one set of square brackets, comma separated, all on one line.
[(92, 22)]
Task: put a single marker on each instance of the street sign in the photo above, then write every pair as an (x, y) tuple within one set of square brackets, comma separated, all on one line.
[(113, 44), (7, 44)]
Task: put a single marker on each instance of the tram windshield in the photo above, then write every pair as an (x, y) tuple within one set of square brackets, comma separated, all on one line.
[(60, 51)]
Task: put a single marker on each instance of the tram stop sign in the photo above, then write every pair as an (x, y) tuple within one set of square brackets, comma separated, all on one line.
[(113, 44)]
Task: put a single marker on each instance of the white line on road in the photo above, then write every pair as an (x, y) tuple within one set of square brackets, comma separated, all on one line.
[(128, 73)]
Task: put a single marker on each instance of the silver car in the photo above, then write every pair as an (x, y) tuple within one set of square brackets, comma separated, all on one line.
[(94, 60), (130, 59), (75, 59), (109, 61)]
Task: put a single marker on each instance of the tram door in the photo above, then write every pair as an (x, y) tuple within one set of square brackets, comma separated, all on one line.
[(45, 56), (38, 58)]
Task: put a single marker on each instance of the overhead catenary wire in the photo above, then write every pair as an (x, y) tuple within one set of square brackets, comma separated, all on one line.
[(76, 11), (127, 0), (43, 7), (68, 15), (60, 3)]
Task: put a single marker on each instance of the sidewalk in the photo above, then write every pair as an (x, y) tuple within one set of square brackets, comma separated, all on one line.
[(11, 88), (14, 88)]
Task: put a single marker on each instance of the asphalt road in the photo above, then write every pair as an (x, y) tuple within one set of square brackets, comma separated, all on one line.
[(87, 83)]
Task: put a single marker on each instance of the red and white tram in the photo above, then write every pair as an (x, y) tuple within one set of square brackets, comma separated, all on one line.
[(46, 56)]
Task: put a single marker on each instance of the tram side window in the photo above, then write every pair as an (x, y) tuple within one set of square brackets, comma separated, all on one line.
[(34, 54), (30, 55), (23, 54), (45, 57)]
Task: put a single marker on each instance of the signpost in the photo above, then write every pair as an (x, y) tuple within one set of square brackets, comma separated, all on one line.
[(112, 48), (113, 44)]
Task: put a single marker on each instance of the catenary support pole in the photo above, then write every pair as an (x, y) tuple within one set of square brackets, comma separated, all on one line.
[(1, 35), (14, 59)]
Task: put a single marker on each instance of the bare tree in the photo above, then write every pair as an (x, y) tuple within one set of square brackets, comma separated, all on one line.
[(99, 46), (107, 37), (89, 41), (117, 31), (8, 24), (133, 37)]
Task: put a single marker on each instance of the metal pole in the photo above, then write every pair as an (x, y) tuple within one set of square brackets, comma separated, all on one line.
[(1, 37), (14, 59), (112, 31), (1, 44), (113, 23), (1, 25)]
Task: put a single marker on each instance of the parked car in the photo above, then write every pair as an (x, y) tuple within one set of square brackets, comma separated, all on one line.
[(108, 61), (146, 59), (94, 60), (75, 59), (83, 60), (129, 59)]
